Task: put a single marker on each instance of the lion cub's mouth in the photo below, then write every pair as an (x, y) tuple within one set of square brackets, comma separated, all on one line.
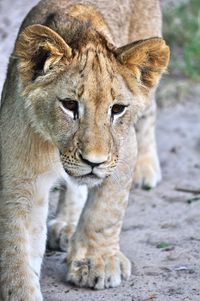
[(89, 175)]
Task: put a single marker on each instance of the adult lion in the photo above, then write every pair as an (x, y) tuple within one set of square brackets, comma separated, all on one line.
[(70, 102)]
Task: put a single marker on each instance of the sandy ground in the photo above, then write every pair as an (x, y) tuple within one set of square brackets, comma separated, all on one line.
[(161, 229)]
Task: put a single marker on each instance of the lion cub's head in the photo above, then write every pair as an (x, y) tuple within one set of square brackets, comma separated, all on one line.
[(84, 95)]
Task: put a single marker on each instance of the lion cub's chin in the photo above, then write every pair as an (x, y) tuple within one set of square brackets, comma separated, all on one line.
[(91, 180)]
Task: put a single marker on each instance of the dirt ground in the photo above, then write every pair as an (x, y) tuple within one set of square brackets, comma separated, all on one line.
[(161, 229)]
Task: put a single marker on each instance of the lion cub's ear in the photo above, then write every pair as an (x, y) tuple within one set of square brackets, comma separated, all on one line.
[(39, 48), (146, 59)]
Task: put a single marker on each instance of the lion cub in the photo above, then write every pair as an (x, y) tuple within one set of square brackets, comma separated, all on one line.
[(70, 104)]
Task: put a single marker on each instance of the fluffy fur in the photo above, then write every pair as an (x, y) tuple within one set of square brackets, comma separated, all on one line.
[(70, 104)]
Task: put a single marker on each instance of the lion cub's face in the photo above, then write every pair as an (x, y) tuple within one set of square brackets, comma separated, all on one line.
[(85, 102), (94, 107), (87, 112)]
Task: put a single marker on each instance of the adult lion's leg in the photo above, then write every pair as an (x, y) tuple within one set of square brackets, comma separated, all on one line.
[(147, 173), (23, 212), (70, 204), (94, 258)]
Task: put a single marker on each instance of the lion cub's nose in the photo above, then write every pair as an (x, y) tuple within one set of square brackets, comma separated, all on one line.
[(93, 160)]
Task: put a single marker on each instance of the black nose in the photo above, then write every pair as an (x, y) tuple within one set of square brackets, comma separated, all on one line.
[(92, 164)]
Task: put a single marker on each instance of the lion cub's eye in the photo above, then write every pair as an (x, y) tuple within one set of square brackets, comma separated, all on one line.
[(117, 109), (71, 105)]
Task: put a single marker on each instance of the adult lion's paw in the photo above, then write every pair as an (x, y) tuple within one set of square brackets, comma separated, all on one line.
[(147, 171), (59, 234), (98, 272)]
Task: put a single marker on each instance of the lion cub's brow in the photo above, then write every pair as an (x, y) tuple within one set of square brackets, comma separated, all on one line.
[(96, 80)]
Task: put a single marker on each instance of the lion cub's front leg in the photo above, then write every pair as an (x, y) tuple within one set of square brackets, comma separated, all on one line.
[(23, 212), (70, 204), (94, 258)]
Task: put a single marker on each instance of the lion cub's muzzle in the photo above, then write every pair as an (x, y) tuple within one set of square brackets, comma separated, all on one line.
[(86, 167)]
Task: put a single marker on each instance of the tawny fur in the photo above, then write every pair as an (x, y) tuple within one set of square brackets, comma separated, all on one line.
[(75, 50)]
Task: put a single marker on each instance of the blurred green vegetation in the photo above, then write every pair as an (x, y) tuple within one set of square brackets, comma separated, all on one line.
[(181, 29)]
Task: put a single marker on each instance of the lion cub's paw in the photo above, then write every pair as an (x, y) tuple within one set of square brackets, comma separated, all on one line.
[(98, 272), (59, 234), (147, 171)]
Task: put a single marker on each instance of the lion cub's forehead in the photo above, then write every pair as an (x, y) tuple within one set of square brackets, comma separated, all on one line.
[(94, 77)]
